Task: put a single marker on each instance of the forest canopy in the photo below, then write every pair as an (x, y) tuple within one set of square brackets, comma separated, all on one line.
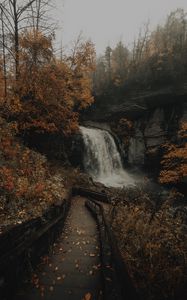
[(157, 58)]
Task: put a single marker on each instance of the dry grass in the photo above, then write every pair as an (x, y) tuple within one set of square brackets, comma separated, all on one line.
[(153, 244)]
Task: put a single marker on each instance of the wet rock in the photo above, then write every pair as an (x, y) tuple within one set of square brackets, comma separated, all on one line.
[(75, 151), (154, 133), (136, 153)]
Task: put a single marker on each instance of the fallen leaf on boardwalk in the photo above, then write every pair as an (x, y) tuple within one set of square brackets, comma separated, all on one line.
[(59, 278), (51, 288), (91, 272), (45, 259), (42, 289), (88, 296), (92, 255), (108, 279), (35, 281)]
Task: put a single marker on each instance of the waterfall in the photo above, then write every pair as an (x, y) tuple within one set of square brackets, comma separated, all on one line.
[(102, 160)]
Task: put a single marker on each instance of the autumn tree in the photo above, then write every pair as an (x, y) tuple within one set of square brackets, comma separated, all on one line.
[(100, 76), (120, 63), (140, 46), (50, 92), (3, 49), (82, 65), (2, 91), (108, 54)]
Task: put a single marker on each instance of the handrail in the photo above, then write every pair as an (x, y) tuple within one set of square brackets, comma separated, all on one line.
[(126, 285), (24, 244), (100, 196), (22, 254)]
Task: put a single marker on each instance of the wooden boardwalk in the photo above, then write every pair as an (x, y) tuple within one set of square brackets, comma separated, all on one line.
[(73, 270)]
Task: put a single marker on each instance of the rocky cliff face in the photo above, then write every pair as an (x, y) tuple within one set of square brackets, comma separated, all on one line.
[(152, 131)]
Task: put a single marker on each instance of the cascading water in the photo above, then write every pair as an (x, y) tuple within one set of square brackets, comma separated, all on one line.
[(102, 159)]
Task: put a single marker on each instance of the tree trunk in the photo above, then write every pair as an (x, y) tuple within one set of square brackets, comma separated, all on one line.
[(16, 39), (4, 57)]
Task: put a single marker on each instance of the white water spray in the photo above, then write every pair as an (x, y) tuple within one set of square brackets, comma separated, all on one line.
[(102, 160)]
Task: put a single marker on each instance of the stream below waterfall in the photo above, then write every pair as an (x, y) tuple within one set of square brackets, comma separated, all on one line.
[(102, 160)]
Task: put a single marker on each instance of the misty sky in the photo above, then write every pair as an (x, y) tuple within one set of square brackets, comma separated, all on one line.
[(108, 21)]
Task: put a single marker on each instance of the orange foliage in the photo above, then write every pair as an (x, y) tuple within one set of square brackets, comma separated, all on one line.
[(174, 161), (19, 165), (50, 92), (24, 177)]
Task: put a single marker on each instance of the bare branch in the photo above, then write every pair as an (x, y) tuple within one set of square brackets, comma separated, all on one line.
[(24, 8)]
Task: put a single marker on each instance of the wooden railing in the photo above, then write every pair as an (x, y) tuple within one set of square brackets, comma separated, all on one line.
[(22, 246), (117, 282)]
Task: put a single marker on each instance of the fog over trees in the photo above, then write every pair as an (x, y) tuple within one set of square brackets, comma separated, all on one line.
[(157, 58)]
